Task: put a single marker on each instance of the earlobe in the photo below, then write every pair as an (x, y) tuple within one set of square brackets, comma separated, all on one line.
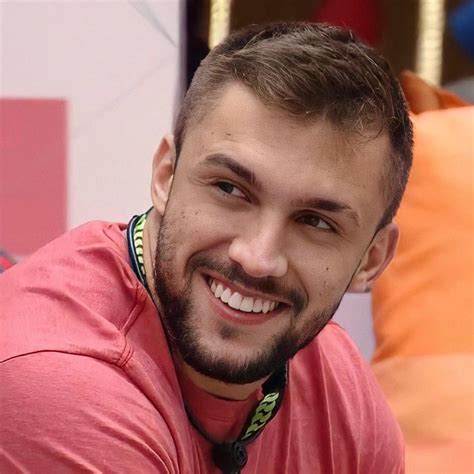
[(377, 257), (163, 172)]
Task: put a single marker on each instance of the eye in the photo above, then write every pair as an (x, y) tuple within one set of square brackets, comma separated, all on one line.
[(229, 189), (313, 220)]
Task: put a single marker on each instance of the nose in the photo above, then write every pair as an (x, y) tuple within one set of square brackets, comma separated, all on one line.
[(260, 253)]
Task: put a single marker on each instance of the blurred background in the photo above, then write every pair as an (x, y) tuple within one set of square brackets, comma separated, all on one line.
[(88, 88)]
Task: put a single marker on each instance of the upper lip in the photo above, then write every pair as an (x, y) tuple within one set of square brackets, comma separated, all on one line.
[(245, 291)]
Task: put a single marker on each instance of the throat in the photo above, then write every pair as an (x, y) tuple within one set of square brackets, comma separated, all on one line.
[(216, 416)]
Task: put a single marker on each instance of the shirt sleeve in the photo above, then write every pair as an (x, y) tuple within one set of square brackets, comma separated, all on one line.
[(388, 443), (67, 413), (384, 437)]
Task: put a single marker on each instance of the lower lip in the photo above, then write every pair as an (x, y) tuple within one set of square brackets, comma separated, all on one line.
[(235, 316)]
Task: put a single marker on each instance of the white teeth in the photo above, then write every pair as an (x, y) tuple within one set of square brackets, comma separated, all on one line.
[(243, 303), (257, 306), (225, 297), (247, 304), (219, 290), (235, 300)]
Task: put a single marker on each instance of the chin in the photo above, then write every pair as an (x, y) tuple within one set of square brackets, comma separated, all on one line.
[(234, 362)]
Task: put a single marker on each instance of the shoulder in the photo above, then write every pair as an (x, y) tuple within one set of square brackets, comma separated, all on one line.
[(74, 387), (90, 247), (334, 348), (333, 351), (74, 294), (334, 374), (79, 414)]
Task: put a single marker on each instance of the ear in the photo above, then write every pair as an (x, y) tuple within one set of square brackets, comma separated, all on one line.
[(376, 258), (163, 172)]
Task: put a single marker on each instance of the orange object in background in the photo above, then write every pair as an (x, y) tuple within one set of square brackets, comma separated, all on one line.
[(33, 155), (423, 305)]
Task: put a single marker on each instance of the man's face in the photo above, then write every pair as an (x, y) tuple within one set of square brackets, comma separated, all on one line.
[(267, 221)]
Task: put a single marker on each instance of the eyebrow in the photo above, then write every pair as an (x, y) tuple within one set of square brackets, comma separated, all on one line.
[(316, 203), (225, 161)]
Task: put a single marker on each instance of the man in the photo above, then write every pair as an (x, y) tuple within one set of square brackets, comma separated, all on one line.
[(187, 342)]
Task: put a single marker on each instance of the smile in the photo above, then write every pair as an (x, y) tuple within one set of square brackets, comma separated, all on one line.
[(235, 300)]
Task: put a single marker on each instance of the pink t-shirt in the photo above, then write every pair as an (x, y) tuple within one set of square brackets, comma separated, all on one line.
[(88, 383)]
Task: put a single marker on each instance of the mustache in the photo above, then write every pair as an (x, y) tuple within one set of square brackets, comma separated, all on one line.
[(234, 272)]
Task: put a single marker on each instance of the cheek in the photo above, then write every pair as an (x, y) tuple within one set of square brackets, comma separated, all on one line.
[(192, 228), (325, 277)]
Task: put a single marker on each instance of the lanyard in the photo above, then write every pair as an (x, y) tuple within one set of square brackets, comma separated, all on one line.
[(135, 246), (229, 456)]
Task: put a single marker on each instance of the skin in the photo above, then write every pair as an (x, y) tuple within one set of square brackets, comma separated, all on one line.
[(306, 221)]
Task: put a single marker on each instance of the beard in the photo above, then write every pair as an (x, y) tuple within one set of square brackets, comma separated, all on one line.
[(181, 320)]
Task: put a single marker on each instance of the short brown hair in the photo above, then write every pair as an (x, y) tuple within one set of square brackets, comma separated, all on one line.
[(311, 70)]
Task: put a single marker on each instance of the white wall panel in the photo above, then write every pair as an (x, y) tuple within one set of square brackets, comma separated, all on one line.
[(119, 73)]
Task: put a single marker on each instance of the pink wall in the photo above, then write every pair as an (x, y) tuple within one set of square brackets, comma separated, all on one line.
[(33, 157)]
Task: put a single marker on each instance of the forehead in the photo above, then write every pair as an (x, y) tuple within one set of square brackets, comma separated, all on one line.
[(294, 155)]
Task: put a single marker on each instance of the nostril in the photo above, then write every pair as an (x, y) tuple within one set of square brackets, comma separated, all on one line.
[(258, 257)]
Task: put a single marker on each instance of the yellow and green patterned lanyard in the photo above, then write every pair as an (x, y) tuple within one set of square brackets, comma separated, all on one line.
[(135, 246)]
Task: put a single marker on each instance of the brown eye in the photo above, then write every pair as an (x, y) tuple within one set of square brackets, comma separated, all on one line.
[(314, 220), (229, 188)]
